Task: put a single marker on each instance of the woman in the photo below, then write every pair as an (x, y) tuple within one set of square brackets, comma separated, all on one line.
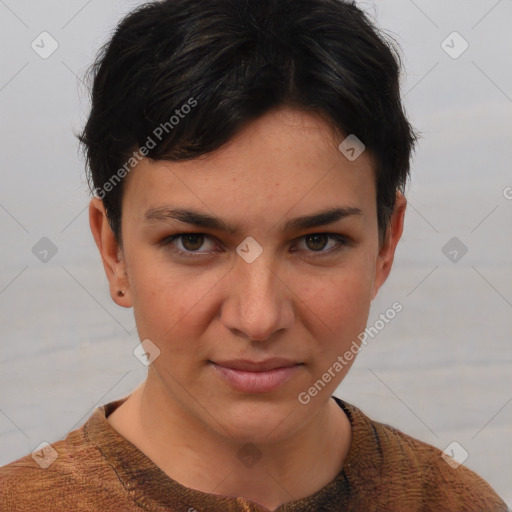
[(248, 159)]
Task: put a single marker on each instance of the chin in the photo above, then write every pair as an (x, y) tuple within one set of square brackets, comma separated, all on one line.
[(259, 421)]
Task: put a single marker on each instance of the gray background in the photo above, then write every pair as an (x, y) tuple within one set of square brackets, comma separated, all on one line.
[(441, 371)]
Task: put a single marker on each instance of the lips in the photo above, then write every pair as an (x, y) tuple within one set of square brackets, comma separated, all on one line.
[(254, 366), (257, 376)]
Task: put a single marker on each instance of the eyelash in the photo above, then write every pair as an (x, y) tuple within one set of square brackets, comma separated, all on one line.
[(341, 243)]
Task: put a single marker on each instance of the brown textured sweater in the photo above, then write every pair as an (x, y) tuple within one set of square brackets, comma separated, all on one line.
[(97, 469)]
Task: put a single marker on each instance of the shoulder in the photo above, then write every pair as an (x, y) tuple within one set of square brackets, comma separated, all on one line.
[(70, 474), (439, 474), (37, 480), (412, 470)]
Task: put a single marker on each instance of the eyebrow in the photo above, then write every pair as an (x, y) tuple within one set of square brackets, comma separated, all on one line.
[(196, 218)]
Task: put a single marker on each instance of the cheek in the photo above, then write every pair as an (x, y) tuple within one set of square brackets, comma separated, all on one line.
[(338, 306), (169, 301)]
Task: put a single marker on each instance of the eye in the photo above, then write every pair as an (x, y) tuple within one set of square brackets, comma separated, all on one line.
[(190, 243), (316, 242)]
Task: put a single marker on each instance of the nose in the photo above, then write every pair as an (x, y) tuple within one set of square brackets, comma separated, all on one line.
[(258, 303)]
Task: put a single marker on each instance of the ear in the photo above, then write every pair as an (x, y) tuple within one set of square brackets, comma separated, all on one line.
[(111, 253), (387, 249)]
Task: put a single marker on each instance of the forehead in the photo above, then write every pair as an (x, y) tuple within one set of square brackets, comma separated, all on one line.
[(288, 158)]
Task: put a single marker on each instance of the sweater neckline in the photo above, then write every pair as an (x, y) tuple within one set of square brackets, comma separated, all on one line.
[(150, 487)]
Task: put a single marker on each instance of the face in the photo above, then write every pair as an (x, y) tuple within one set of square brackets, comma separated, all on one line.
[(257, 285)]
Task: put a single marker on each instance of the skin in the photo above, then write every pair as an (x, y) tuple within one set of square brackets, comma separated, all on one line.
[(216, 306)]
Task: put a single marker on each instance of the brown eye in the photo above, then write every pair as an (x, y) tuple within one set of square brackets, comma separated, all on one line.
[(188, 244), (192, 242), (317, 244), (317, 241)]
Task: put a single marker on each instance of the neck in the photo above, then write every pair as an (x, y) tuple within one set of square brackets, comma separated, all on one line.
[(197, 457)]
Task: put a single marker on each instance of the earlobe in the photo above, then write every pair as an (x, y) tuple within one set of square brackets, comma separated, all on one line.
[(387, 249), (111, 253)]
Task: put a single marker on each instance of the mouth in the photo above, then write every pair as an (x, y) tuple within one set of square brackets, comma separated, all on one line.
[(256, 376)]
